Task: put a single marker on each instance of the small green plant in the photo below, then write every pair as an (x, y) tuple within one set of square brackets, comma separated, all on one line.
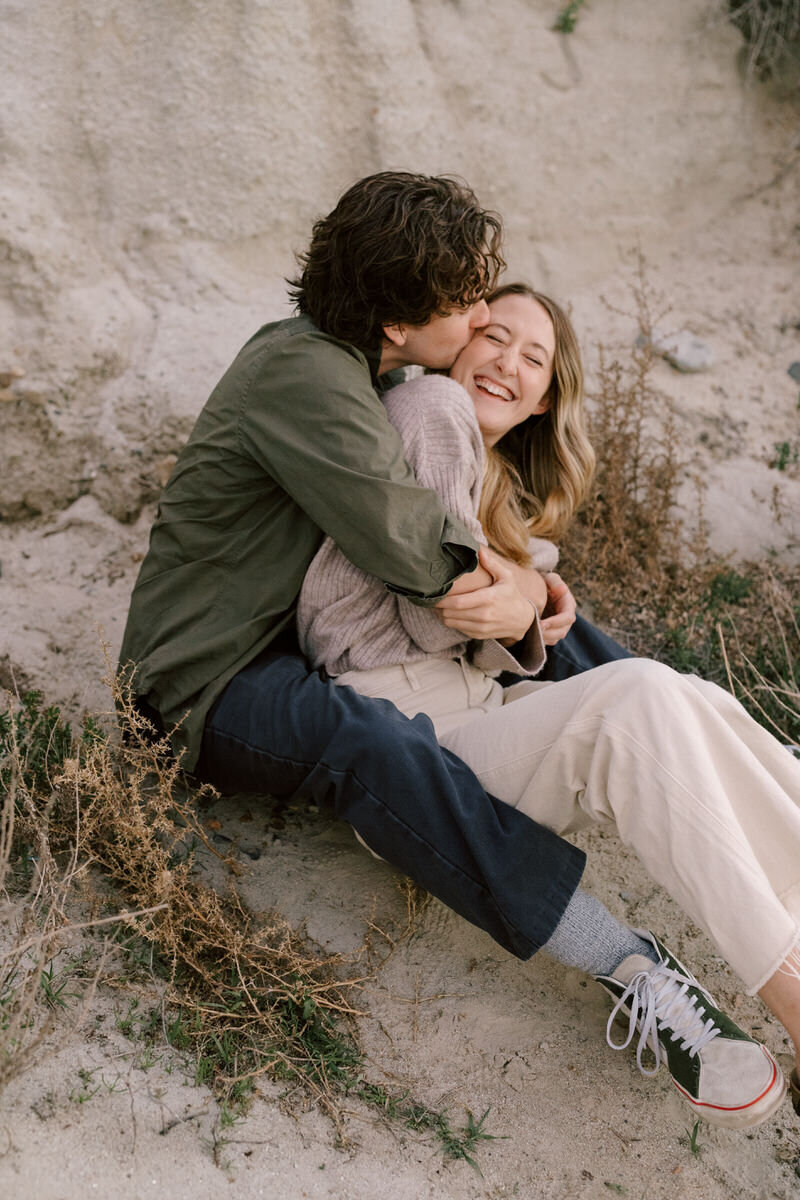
[(691, 1140), (455, 1143), (125, 1024), (148, 1058), (53, 987), (179, 1030), (229, 1114), (87, 1088), (728, 587), (460, 1144), (567, 19), (34, 741), (786, 455)]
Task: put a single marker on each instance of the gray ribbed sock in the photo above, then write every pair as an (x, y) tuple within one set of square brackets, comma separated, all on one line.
[(589, 938)]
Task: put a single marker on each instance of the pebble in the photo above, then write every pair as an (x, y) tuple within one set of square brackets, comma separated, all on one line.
[(10, 376), (682, 350), (163, 468), (794, 371)]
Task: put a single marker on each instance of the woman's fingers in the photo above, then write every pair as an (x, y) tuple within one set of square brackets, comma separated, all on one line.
[(561, 610)]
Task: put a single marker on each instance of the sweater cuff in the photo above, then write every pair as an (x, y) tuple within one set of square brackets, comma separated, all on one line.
[(526, 657)]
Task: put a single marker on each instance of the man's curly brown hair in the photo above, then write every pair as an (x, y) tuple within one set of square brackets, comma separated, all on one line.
[(398, 248)]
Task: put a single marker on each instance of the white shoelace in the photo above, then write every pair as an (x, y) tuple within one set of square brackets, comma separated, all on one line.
[(657, 998)]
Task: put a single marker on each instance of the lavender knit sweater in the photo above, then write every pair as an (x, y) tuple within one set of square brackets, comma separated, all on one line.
[(346, 619)]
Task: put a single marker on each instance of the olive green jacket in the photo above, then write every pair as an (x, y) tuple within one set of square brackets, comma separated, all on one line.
[(294, 443)]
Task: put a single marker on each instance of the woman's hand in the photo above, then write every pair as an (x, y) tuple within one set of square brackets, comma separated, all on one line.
[(499, 611), (560, 611)]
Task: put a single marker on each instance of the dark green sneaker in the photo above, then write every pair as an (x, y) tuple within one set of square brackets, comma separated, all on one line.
[(727, 1078)]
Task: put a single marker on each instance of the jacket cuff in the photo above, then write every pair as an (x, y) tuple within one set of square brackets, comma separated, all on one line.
[(460, 552)]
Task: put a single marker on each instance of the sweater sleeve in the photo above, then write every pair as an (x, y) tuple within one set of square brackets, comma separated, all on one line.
[(345, 619), (436, 420), (543, 554)]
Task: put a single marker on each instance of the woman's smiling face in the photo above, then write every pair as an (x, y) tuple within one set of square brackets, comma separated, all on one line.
[(508, 365)]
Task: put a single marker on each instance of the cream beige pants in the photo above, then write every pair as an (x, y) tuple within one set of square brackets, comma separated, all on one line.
[(708, 800)]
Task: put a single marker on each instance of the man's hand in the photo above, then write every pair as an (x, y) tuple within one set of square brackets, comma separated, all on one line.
[(560, 611), (498, 611)]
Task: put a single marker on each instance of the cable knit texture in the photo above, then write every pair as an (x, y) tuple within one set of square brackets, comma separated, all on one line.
[(348, 620)]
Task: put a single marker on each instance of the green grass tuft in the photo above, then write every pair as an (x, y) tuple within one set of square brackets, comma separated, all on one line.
[(567, 19)]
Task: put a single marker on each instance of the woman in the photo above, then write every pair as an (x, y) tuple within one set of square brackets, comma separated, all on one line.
[(704, 795)]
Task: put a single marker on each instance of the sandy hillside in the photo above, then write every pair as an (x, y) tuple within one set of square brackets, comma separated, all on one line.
[(160, 165)]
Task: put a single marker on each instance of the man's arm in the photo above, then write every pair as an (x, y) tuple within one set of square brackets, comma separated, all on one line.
[(318, 428)]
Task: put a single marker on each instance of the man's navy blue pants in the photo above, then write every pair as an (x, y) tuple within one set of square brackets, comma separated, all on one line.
[(279, 729)]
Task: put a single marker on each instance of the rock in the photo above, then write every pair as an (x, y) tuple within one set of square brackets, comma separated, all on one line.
[(682, 350), (794, 371), (163, 468), (32, 396), (8, 377)]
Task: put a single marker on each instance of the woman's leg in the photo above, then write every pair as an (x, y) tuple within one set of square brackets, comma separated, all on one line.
[(706, 798), (584, 647), (747, 790), (724, 1075), (781, 994)]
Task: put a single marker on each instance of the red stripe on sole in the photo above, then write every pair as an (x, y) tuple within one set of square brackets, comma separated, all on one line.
[(734, 1107)]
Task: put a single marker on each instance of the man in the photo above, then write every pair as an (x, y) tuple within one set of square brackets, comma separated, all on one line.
[(293, 444)]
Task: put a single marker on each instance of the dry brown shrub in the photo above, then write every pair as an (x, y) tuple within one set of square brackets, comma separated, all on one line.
[(771, 29), (37, 914), (766, 676), (644, 569), (247, 996), (628, 534), (629, 547), (31, 939), (253, 985)]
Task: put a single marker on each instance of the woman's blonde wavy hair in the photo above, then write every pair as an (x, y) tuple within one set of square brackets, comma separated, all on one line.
[(539, 473)]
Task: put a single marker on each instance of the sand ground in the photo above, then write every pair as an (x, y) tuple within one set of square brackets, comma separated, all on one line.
[(159, 169)]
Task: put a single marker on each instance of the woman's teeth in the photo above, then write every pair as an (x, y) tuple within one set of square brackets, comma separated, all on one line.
[(494, 389)]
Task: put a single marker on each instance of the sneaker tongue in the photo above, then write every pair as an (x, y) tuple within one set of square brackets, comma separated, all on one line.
[(634, 964)]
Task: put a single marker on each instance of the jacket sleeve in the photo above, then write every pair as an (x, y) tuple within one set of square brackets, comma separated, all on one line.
[(324, 436)]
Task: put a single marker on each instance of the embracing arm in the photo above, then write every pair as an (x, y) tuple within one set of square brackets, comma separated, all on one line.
[(320, 431)]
